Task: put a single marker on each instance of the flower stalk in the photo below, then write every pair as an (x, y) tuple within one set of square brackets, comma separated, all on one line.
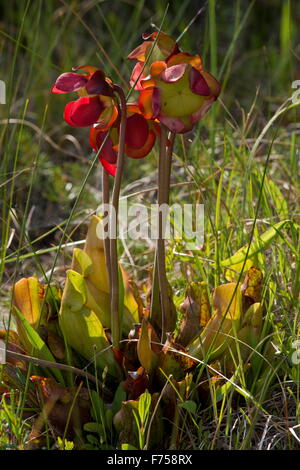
[(105, 201), (160, 294), (114, 266)]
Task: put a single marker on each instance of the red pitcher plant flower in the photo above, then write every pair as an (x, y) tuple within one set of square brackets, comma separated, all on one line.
[(139, 139), (96, 102), (176, 90), (136, 349), (164, 47)]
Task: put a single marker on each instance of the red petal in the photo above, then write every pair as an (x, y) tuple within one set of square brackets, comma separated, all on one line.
[(140, 52), (69, 82), (137, 131), (185, 58), (142, 151), (213, 84), (145, 103), (56, 90), (157, 68), (137, 76), (204, 108), (156, 102), (198, 84), (97, 85), (83, 112), (111, 169), (96, 139), (174, 124), (107, 151), (93, 135)]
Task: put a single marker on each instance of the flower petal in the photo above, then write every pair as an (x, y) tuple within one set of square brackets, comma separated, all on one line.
[(97, 85), (139, 53), (132, 108), (166, 43), (107, 118), (93, 135), (213, 84), (173, 74), (137, 76), (56, 90), (110, 168), (203, 110), (83, 112), (185, 58), (175, 124), (157, 68), (145, 103), (147, 82), (96, 140), (137, 131), (107, 151), (90, 69), (156, 102), (142, 151), (69, 82), (198, 84)]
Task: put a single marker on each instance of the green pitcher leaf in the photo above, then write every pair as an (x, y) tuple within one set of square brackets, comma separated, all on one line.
[(82, 260), (94, 248), (40, 349), (219, 332), (28, 295), (147, 357), (78, 283)]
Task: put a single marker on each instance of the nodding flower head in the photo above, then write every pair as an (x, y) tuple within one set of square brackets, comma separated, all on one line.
[(173, 87), (140, 137), (96, 102)]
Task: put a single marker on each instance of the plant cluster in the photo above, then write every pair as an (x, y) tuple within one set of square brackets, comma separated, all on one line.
[(106, 365)]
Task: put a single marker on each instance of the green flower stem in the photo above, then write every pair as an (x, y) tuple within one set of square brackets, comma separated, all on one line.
[(114, 266), (105, 201)]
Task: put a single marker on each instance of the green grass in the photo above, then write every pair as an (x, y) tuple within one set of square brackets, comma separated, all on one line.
[(241, 162)]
